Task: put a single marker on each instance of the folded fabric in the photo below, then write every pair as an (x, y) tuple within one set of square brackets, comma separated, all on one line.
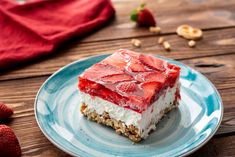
[(36, 28)]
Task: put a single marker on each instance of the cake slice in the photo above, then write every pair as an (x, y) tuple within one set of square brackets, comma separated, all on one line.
[(129, 92)]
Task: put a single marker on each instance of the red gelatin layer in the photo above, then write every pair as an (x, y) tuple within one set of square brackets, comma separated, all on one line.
[(129, 79)]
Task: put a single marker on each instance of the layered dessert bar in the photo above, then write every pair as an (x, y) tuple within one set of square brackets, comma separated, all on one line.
[(129, 92)]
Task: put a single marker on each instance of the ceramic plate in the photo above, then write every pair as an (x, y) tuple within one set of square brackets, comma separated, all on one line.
[(181, 132)]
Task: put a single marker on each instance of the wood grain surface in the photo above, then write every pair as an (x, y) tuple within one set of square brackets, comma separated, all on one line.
[(215, 42), (214, 56)]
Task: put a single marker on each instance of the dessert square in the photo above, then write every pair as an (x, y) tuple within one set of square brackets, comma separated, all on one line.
[(129, 92)]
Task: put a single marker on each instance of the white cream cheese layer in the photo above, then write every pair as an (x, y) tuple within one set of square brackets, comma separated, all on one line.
[(144, 121)]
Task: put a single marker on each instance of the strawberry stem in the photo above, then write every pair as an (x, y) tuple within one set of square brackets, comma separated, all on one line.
[(142, 5), (134, 14)]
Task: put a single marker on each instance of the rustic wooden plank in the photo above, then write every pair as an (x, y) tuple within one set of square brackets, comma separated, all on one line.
[(219, 69), (169, 15), (215, 42), (217, 147), (33, 142), (228, 123)]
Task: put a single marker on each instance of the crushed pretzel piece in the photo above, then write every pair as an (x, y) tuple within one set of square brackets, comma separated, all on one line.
[(161, 40), (166, 46), (191, 43), (136, 42), (155, 29)]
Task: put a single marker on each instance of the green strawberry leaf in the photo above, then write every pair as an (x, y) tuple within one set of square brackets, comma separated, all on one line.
[(134, 15), (142, 5)]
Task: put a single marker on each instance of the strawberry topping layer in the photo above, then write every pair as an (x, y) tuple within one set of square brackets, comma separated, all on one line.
[(129, 79)]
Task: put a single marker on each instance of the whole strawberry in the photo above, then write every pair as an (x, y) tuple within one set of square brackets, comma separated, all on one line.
[(143, 17), (9, 145), (5, 111)]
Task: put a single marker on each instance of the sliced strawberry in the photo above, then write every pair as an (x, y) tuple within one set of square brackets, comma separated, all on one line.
[(116, 60), (127, 54), (172, 77), (151, 77), (152, 62), (116, 78), (173, 67), (155, 77), (173, 74), (126, 87), (150, 89), (101, 70), (139, 77), (136, 66)]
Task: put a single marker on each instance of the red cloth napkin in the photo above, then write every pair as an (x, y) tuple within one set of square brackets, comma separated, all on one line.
[(34, 29)]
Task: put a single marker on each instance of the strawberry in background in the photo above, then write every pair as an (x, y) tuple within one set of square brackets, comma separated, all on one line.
[(5, 111), (9, 144), (143, 16)]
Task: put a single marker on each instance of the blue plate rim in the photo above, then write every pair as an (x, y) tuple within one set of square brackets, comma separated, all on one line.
[(193, 149)]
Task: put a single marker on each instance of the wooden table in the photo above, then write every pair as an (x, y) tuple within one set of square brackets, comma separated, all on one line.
[(214, 56)]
